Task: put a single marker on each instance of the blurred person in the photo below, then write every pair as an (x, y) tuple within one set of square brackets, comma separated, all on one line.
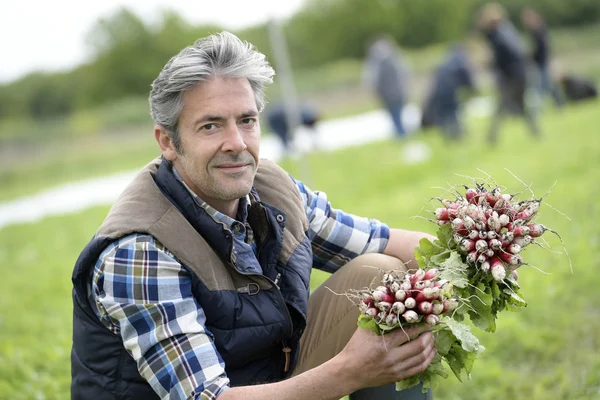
[(534, 24), (277, 120), (442, 107), (509, 65), (386, 73), (577, 88), (196, 285)]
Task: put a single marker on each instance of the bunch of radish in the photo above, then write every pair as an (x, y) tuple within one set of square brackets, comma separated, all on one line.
[(408, 298), (491, 229)]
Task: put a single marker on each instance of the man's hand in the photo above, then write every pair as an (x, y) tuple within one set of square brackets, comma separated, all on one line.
[(373, 360)]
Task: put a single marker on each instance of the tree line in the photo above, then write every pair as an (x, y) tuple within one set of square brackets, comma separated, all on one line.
[(128, 53)]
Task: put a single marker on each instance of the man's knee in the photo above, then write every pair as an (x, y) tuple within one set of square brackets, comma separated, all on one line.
[(373, 265)]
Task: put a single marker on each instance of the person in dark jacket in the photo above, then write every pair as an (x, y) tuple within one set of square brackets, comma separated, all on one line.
[(387, 75), (442, 107), (196, 286), (534, 24), (510, 69), (277, 119), (577, 88)]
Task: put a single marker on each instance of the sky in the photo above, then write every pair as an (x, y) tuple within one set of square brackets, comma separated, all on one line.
[(50, 35)]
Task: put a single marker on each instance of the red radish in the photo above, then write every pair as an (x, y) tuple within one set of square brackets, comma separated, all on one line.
[(371, 312), (494, 223), (424, 307), (398, 307), (536, 230), (483, 235), (417, 276), (474, 234), (457, 238), (508, 237), (513, 248), (495, 244), (472, 257), (431, 274), (406, 286), (503, 219), (441, 214), (467, 245), (384, 306), (511, 259), (420, 297), (368, 302), (489, 253), (485, 267), (400, 295), (481, 245), (440, 284), (457, 224), (411, 316), (380, 296), (391, 320), (523, 240), (492, 235), (431, 293), (514, 274), (480, 224), (432, 319), (498, 272), (437, 308), (410, 303), (471, 195), (450, 305), (493, 196), (525, 215), (481, 258), (468, 222), (420, 285)]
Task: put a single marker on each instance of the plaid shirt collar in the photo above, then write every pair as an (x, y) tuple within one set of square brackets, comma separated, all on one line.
[(217, 216)]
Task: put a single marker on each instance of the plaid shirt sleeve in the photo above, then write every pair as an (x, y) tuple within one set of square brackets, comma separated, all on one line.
[(142, 293), (336, 236)]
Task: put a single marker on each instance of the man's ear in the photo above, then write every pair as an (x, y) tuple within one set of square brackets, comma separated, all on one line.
[(164, 142)]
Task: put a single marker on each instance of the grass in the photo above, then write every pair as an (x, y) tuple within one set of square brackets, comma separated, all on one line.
[(549, 351)]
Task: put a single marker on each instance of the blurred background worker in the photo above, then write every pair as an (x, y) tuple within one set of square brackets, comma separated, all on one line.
[(509, 68), (442, 106), (534, 24), (577, 88), (278, 122), (386, 73)]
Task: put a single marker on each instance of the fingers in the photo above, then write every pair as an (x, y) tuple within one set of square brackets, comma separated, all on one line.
[(414, 348), (403, 335), (416, 364)]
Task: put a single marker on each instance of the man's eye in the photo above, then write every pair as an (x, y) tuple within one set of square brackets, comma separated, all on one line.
[(248, 121), (208, 127)]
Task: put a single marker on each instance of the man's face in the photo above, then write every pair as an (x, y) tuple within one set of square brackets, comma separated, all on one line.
[(220, 141)]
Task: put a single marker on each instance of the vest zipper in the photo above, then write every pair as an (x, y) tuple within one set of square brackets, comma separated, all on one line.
[(285, 348)]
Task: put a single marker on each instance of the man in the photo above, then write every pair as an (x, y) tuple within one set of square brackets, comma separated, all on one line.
[(442, 107), (196, 285), (578, 88), (385, 72), (509, 67), (532, 21), (278, 122)]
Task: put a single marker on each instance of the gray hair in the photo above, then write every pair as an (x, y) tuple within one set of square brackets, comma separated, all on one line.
[(222, 54)]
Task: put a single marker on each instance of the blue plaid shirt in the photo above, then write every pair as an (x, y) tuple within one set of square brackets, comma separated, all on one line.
[(141, 292)]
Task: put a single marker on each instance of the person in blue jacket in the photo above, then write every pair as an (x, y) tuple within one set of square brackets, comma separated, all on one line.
[(509, 68), (442, 107)]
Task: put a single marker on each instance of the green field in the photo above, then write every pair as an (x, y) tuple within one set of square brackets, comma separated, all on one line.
[(548, 351)]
